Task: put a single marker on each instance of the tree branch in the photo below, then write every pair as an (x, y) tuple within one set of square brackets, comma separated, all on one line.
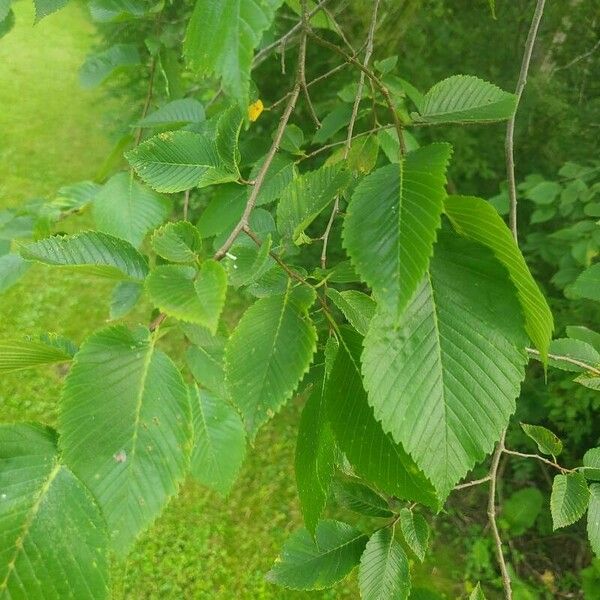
[(469, 484), (538, 457), (567, 359), (302, 67), (510, 127)]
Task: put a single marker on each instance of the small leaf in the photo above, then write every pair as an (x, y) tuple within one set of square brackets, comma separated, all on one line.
[(90, 252), (306, 197), (477, 593), (362, 499), (16, 355), (521, 510), (12, 268), (464, 99), (117, 11), (54, 540), (384, 570), (128, 210), (268, 353), (593, 519), (569, 499), (587, 285), (43, 8), (357, 307), (98, 67), (391, 224), (315, 457), (178, 242), (547, 442), (124, 298), (415, 531), (190, 295), (177, 112), (307, 564), (219, 442)]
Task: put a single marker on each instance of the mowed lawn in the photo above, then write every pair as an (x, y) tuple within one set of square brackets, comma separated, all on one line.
[(53, 133)]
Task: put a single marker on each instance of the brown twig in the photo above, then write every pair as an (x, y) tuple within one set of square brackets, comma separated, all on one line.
[(302, 67), (469, 484), (567, 359), (540, 458)]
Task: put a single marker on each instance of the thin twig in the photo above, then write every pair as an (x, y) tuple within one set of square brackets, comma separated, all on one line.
[(302, 67), (469, 484), (491, 511), (348, 143), (186, 204), (573, 361), (578, 58), (140, 130), (540, 458), (510, 127)]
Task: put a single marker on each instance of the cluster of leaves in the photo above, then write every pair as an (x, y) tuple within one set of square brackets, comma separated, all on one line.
[(411, 346)]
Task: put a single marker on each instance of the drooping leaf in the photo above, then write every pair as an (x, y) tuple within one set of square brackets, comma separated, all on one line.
[(221, 37), (361, 499), (391, 223), (229, 125), (128, 210), (587, 285), (178, 242), (12, 268), (16, 355), (177, 112), (373, 454), (306, 197), (43, 8), (466, 99), (315, 456), (196, 296), (415, 531), (268, 353), (125, 428), (569, 499), (219, 442), (91, 252), (175, 161), (547, 442), (357, 307), (478, 220), (384, 571), (124, 297), (307, 564), (521, 509), (53, 539), (593, 518), (99, 67), (444, 381)]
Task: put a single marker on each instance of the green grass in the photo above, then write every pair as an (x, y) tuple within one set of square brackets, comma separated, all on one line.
[(54, 133)]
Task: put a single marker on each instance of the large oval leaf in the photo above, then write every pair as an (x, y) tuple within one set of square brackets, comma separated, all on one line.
[(125, 427), (53, 539)]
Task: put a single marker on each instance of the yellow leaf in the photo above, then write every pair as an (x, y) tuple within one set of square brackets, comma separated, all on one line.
[(255, 110)]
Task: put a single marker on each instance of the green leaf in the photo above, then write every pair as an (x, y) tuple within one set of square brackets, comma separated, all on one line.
[(306, 197), (281, 173), (373, 454), (569, 499), (43, 8), (221, 37), (124, 297), (547, 442), (544, 192), (52, 534), (125, 428), (307, 564), (477, 593), (91, 252), (591, 463), (4, 8), (337, 119), (175, 161), (362, 156), (206, 363), (357, 307), (16, 355), (117, 11), (521, 510), (466, 99), (178, 242), (319, 20), (578, 332), (593, 519), (219, 442), (292, 139), (444, 381), (7, 23), (415, 531), (12, 268), (268, 353), (128, 210), (391, 222), (384, 571), (587, 285), (362, 499), (478, 220), (177, 112), (315, 458), (229, 125), (575, 349), (99, 67), (76, 195), (195, 296)]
